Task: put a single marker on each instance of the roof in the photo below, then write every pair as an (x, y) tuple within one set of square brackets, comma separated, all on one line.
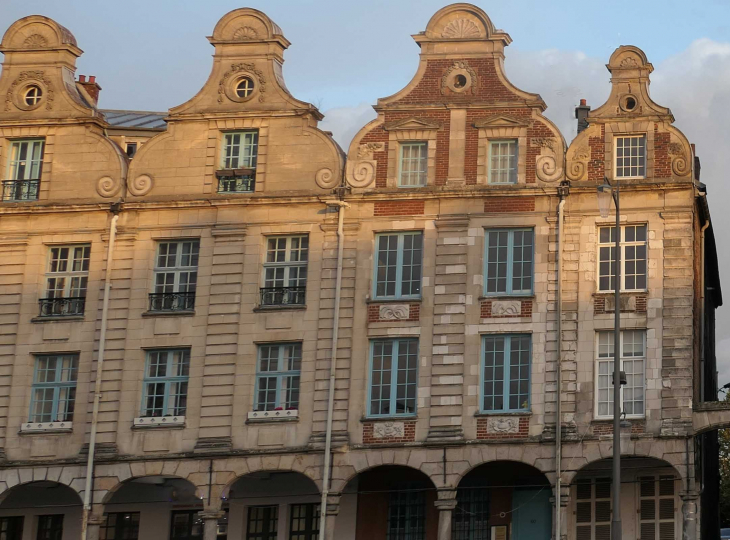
[(136, 119)]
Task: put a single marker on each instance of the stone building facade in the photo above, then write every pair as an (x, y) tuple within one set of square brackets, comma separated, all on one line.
[(236, 315)]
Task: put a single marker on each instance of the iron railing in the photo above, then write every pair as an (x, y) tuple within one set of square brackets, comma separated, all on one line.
[(20, 190), (236, 180), (283, 296), (62, 307), (179, 301)]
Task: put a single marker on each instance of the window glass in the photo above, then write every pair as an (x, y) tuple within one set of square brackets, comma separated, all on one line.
[(53, 395), (26, 158), (277, 376), (413, 164), (633, 359), (631, 157), (393, 377), (503, 162), (285, 270), (166, 383), (175, 276), (506, 373), (304, 521), (406, 515), (66, 281), (508, 261), (262, 523), (398, 265), (240, 150), (633, 258)]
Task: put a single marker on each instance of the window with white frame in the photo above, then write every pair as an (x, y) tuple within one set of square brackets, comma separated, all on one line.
[(175, 276), (393, 377), (631, 156), (54, 388), (277, 376), (24, 171), (503, 162), (67, 278), (633, 258), (239, 153), (285, 270), (398, 261), (413, 164), (633, 362), (656, 507), (593, 509), (506, 372), (508, 261), (166, 383)]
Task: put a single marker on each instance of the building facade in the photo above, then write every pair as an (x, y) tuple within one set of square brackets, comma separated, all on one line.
[(214, 319)]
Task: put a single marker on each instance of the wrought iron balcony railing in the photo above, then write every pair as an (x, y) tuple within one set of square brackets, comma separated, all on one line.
[(236, 180), (179, 301), (62, 307), (283, 296), (20, 190)]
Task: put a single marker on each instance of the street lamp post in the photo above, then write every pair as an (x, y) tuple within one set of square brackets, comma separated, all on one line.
[(605, 193)]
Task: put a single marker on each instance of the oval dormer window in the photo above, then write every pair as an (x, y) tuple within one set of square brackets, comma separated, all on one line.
[(33, 95), (244, 87)]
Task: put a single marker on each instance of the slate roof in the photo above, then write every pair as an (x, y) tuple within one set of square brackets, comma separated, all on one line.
[(135, 119)]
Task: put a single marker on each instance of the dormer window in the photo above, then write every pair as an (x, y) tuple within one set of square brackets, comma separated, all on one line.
[(413, 164), (24, 171), (238, 162), (244, 87), (503, 162), (33, 95), (631, 156)]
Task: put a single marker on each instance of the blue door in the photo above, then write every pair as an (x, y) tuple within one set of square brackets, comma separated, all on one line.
[(532, 514)]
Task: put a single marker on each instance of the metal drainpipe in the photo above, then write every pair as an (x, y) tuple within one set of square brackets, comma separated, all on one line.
[(558, 407), (340, 205), (99, 371), (702, 306)]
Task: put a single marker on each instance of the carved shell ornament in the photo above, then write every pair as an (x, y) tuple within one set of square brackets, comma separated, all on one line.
[(461, 29), (245, 33), (629, 62), (35, 41)]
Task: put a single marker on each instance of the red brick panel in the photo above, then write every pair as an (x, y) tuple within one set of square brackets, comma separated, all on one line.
[(406, 207), (486, 310), (641, 304), (606, 428), (597, 164), (409, 434), (509, 204), (662, 160), (483, 435), (599, 305), (414, 312)]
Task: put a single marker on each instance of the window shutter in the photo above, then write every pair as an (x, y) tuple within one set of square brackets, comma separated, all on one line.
[(656, 508), (593, 512)]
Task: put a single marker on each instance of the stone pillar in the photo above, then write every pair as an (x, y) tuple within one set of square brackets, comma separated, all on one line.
[(210, 523), (333, 508), (689, 515), (564, 502), (93, 525), (446, 503)]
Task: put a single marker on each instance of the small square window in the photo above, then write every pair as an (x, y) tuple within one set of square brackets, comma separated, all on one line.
[(503, 162)]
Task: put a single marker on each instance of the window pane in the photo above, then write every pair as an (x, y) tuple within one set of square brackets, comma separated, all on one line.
[(503, 162)]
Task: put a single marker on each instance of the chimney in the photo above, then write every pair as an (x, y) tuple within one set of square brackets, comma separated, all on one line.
[(91, 86), (581, 113)]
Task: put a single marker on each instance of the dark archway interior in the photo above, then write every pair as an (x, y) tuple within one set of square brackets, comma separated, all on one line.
[(39, 494), (273, 483), (504, 474), (155, 489)]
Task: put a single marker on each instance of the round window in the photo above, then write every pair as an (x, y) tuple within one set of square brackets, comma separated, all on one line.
[(460, 81), (33, 95), (244, 87), (630, 103)]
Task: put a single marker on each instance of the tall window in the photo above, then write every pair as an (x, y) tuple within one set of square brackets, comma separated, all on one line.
[(393, 377), (238, 162), (186, 525), (24, 171), (11, 528), (285, 271), (304, 521), (398, 265), (633, 358), (413, 164), (406, 515), (176, 276), (166, 383), (656, 507), (50, 527), (631, 156), (263, 522), (470, 519), (633, 258), (54, 388), (508, 261), (503, 162), (120, 526), (66, 281), (506, 373), (593, 509), (277, 376)]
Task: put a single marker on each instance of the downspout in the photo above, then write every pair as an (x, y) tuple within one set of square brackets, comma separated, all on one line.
[(340, 205), (99, 371), (702, 305), (562, 192)]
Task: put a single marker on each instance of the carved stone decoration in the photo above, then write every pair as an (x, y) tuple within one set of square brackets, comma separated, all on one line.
[(107, 186), (366, 150), (503, 425), (450, 83), (326, 179), (26, 77), (680, 163), (394, 312), (629, 62), (246, 67), (578, 166), (245, 33), (35, 41), (141, 185), (543, 142), (506, 308), (387, 430), (362, 173), (547, 168), (461, 29)]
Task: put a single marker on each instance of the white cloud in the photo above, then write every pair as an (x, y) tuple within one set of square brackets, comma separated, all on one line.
[(345, 122)]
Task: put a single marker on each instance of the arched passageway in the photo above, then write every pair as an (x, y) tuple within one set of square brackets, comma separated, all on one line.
[(502, 499), (42, 509)]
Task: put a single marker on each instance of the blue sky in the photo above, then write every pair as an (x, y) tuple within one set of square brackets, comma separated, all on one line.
[(153, 55)]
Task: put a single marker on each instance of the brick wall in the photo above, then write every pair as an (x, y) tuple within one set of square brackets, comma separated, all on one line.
[(484, 435), (409, 434), (606, 428), (414, 312), (597, 163), (486, 310), (599, 305), (662, 160), (509, 204), (405, 207)]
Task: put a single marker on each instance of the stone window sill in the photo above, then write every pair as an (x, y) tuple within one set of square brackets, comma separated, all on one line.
[(406, 418), (58, 318), (288, 307), (186, 313), (600, 421), (622, 293), (509, 297), (157, 422), (503, 413), (394, 300), (263, 417), (46, 427)]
